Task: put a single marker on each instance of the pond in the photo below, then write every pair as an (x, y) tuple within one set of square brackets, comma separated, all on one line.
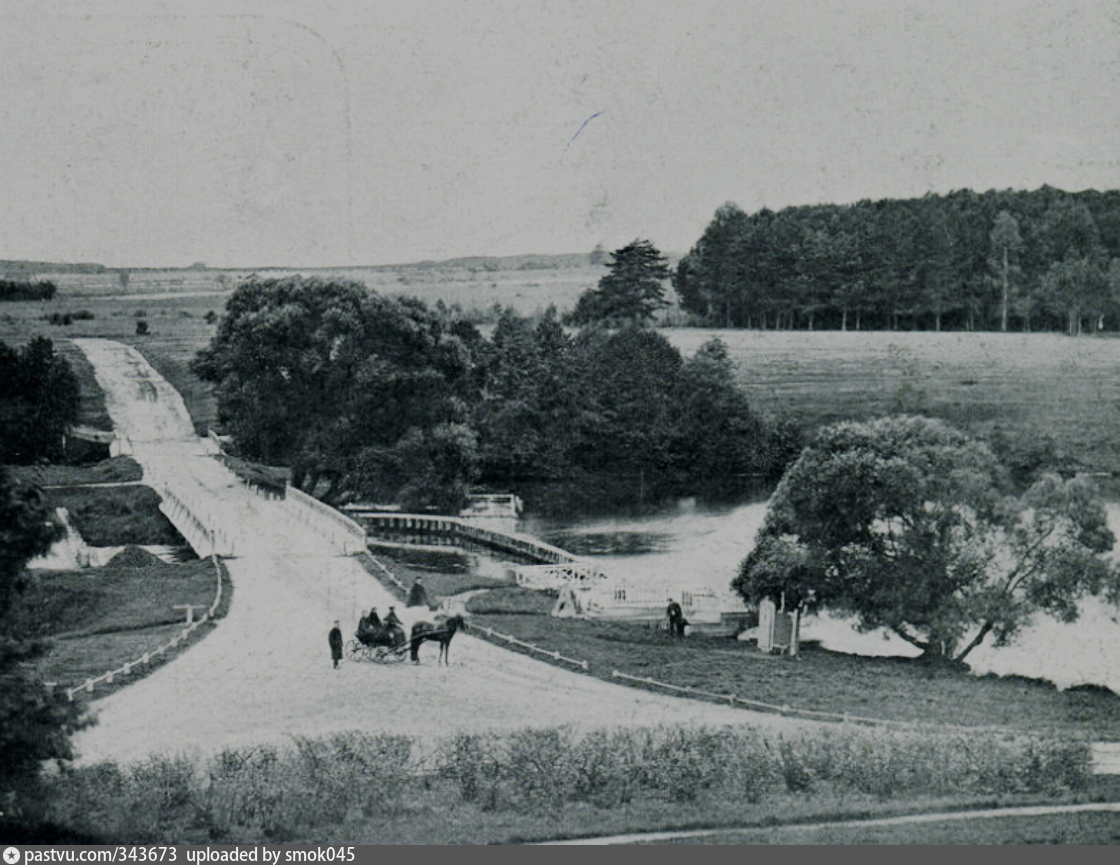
[(687, 541)]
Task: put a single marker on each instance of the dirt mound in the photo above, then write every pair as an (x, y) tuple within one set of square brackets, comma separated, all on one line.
[(134, 557)]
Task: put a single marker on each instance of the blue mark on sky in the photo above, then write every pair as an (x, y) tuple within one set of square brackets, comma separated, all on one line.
[(578, 131)]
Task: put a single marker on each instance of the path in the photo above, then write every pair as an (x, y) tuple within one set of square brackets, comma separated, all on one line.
[(264, 674), (772, 833)]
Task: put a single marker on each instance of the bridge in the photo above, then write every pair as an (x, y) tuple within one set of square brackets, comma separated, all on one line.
[(380, 522)]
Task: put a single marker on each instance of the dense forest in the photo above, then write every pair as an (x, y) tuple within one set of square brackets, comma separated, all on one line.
[(998, 260), (374, 397)]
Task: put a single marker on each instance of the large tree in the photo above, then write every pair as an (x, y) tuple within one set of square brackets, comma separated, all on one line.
[(632, 290), (334, 380), (907, 524), (39, 401), (35, 721)]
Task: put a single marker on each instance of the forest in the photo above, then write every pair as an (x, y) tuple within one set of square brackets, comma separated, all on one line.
[(1045, 260)]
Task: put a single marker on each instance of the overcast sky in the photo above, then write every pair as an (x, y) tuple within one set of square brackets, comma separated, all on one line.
[(319, 133)]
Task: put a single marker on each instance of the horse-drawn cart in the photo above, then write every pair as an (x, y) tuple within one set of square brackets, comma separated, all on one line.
[(378, 644)]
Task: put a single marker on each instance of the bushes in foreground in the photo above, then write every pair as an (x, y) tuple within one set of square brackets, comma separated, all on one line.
[(270, 794)]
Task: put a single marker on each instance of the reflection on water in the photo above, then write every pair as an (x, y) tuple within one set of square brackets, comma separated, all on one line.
[(608, 543), (685, 542)]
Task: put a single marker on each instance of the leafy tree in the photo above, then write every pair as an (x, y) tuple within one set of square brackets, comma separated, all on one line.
[(1006, 244), (35, 722), (316, 374), (39, 401), (905, 523), (632, 291)]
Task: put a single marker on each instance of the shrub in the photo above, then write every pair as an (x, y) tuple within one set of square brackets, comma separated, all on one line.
[(141, 328)]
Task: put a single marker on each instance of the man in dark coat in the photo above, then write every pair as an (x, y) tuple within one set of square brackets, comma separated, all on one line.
[(676, 619), (374, 620), (394, 626), (335, 640)]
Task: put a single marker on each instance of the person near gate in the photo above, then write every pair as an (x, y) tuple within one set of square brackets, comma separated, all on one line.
[(335, 640), (676, 619)]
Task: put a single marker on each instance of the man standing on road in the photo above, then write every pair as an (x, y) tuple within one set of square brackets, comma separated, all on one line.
[(335, 639)]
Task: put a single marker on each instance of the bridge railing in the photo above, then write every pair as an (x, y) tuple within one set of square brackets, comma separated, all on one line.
[(462, 528), (343, 530), (201, 532)]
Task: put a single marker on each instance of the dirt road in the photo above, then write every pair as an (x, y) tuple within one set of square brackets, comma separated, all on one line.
[(264, 674)]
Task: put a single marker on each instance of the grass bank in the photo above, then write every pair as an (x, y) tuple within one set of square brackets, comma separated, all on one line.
[(115, 470), (548, 784), (98, 620), (896, 689), (112, 516)]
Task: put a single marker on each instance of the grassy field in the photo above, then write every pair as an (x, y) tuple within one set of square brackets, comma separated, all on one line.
[(97, 621), (111, 516), (1037, 383), (896, 689)]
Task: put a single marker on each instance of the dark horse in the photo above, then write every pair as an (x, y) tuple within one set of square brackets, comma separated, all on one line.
[(441, 633)]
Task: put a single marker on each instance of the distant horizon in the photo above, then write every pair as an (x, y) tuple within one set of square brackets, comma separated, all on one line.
[(675, 254)]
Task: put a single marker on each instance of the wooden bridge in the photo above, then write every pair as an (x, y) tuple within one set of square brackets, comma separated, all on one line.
[(379, 522)]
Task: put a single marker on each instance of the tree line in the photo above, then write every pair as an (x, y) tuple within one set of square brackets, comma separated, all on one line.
[(372, 397), (1000, 260), (14, 289)]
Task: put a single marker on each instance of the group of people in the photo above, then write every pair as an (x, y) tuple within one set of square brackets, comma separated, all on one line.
[(372, 625), (369, 626)]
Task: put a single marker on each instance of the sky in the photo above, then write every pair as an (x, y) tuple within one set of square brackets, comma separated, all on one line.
[(245, 133)]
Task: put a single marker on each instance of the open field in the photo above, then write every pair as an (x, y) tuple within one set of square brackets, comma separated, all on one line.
[(898, 689), (1039, 383), (528, 283)]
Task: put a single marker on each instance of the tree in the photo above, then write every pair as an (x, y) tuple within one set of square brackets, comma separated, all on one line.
[(1005, 246), (316, 374), (35, 722), (39, 402), (907, 524), (632, 291)]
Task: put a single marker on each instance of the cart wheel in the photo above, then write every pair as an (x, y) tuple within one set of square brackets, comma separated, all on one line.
[(353, 648)]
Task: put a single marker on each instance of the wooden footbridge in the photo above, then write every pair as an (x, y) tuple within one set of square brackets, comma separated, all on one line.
[(460, 529)]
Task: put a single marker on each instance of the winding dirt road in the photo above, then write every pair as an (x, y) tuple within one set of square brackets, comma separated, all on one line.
[(264, 674)]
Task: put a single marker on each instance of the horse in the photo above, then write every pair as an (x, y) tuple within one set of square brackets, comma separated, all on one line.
[(442, 633)]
